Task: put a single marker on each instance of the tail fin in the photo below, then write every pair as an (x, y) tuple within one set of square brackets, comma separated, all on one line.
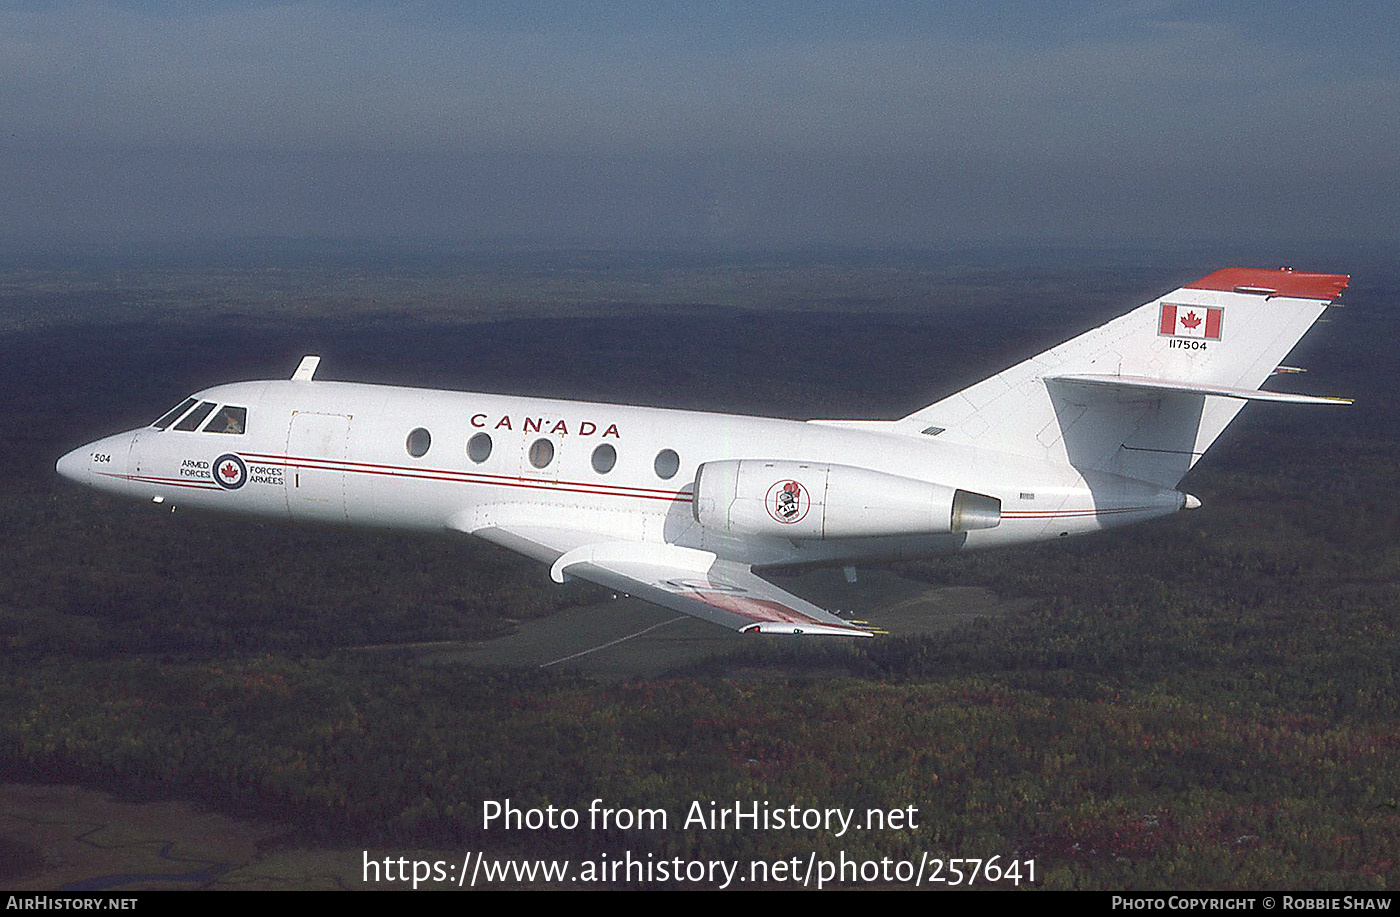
[(1145, 395)]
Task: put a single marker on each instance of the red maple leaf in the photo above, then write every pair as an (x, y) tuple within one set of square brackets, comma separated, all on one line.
[(230, 470), (1190, 320)]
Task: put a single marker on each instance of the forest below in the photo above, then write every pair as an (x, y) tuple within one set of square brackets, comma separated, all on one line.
[(1205, 701)]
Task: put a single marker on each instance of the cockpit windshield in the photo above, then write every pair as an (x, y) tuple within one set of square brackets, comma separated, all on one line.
[(229, 419), (169, 418), (195, 417)]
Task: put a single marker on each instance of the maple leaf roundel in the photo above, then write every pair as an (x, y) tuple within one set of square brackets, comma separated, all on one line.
[(230, 471)]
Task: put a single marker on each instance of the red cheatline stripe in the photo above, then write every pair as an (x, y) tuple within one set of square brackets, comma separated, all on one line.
[(173, 482), (516, 482), (555, 487), (463, 477), (469, 477), (523, 483), (452, 474)]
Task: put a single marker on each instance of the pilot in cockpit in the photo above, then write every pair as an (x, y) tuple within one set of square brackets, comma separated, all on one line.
[(229, 420)]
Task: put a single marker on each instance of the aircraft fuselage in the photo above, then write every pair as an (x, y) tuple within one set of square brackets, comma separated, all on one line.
[(428, 460)]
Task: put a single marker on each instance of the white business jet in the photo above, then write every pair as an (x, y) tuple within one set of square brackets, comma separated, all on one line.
[(679, 507)]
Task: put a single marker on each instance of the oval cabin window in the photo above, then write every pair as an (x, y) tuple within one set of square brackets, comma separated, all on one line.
[(667, 464), (418, 442), (604, 458), (479, 447), (541, 453)]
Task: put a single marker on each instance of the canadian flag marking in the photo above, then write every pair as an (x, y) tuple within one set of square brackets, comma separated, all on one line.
[(1191, 321)]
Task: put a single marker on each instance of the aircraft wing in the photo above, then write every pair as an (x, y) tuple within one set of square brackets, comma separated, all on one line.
[(687, 580)]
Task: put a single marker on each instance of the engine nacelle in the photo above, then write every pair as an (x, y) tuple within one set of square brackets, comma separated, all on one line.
[(816, 500)]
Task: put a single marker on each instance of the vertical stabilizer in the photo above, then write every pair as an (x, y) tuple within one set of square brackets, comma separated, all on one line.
[(1145, 395)]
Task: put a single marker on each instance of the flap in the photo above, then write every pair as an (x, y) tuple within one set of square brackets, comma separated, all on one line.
[(727, 593), (687, 580)]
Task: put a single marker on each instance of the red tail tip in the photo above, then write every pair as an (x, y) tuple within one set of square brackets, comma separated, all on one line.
[(1283, 282)]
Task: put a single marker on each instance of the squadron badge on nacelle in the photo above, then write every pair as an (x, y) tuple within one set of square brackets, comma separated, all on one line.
[(788, 502)]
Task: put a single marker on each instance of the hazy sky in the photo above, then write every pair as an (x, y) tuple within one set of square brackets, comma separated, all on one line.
[(641, 123)]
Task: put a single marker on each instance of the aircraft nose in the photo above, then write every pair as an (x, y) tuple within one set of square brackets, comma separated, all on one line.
[(75, 465)]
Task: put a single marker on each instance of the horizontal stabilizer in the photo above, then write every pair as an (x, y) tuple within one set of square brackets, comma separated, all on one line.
[(1146, 385)]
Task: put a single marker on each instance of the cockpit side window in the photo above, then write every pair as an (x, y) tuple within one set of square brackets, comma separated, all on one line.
[(196, 416), (229, 419), (167, 419)]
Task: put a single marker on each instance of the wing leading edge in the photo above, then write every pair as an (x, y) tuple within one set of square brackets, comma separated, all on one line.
[(687, 580)]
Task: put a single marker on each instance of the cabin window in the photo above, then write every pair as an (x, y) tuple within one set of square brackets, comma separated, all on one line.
[(479, 447), (229, 419), (196, 417), (604, 458), (418, 442), (167, 419), (667, 464), (541, 453)]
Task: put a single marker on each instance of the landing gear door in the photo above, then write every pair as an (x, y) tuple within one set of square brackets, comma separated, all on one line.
[(315, 475)]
